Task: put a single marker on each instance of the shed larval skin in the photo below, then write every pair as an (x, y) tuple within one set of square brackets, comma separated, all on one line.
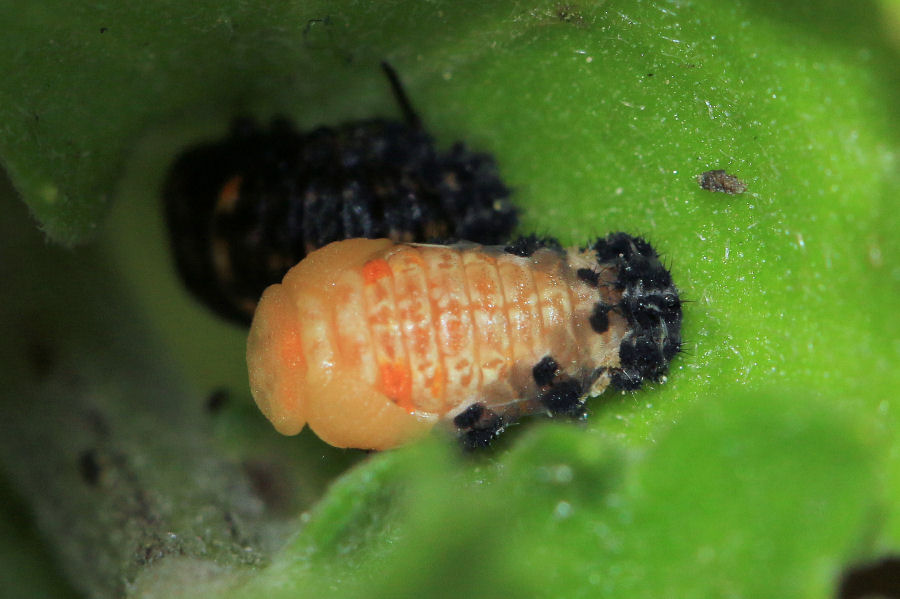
[(371, 343)]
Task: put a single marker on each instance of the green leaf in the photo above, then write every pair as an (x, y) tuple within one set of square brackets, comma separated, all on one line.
[(28, 569), (749, 495)]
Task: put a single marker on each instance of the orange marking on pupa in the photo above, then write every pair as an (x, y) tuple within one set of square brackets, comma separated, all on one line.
[(374, 270), (396, 384)]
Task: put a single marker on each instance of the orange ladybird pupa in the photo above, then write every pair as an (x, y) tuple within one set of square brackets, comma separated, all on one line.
[(371, 342)]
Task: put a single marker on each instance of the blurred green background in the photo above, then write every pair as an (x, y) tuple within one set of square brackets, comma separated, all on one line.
[(764, 465)]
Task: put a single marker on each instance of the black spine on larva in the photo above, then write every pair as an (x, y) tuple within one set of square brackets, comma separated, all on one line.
[(478, 425), (545, 371), (526, 245), (651, 305), (300, 191), (564, 399)]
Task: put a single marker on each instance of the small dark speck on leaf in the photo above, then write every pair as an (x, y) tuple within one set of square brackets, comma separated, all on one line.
[(42, 358), (649, 74), (268, 480), (89, 467), (873, 579), (96, 423), (217, 400), (719, 180), (104, 29), (569, 13)]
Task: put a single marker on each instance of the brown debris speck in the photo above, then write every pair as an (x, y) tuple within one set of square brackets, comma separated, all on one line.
[(719, 180), (569, 13)]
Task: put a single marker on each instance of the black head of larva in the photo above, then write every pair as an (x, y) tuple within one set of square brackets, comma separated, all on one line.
[(650, 304), (242, 211)]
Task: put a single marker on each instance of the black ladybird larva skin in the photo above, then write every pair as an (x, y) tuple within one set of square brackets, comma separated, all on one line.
[(372, 342), (244, 210)]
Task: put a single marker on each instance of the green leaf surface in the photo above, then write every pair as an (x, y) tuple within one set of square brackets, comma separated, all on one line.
[(27, 568), (748, 497), (766, 463)]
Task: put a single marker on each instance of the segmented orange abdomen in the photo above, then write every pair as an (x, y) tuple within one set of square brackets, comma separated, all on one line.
[(443, 321), (429, 328)]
